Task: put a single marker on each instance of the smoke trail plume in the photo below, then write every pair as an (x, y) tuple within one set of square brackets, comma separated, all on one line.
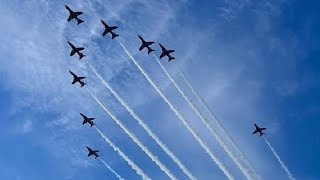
[(283, 166), (112, 170), (144, 126), (124, 156), (135, 139), (206, 123), (179, 115), (220, 126)]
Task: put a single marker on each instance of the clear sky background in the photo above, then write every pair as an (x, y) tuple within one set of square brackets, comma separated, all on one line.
[(252, 62)]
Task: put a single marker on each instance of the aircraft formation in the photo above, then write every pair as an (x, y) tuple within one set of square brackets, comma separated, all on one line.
[(74, 15)]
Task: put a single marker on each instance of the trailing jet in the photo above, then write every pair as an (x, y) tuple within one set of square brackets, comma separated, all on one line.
[(145, 44), (87, 120), (92, 152), (76, 50), (258, 129), (109, 29), (166, 52), (77, 79), (74, 15)]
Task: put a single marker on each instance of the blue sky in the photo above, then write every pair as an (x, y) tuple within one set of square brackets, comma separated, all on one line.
[(250, 61)]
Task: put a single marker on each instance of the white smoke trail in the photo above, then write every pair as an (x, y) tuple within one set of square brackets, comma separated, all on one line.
[(124, 156), (206, 123), (112, 170), (145, 126), (180, 116), (134, 138), (283, 166), (220, 126)]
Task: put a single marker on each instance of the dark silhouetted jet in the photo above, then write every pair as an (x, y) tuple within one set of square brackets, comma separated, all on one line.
[(77, 79), (145, 44), (87, 120), (166, 52), (109, 29), (92, 152), (74, 15), (76, 50), (258, 129)]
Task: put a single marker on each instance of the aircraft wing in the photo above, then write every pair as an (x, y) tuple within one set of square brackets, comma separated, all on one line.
[(263, 129), (84, 116), (161, 55), (78, 13), (69, 18), (170, 51), (72, 52), (72, 73), (141, 38), (81, 77), (80, 48), (90, 153), (70, 44), (74, 81), (141, 47), (113, 27), (255, 131), (162, 48), (104, 32), (104, 23)]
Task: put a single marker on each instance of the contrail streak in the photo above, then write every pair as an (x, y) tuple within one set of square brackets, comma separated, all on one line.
[(206, 123), (145, 126), (124, 156), (283, 166), (112, 170), (220, 126), (180, 116), (134, 138)]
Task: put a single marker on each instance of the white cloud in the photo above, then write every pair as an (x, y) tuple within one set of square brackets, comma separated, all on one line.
[(25, 127), (35, 60)]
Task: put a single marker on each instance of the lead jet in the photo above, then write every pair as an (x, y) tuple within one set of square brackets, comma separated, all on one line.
[(258, 129), (87, 120), (76, 50), (77, 79), (92, 152), (166, 52), (145, 44), (109, 29), (74, 15)]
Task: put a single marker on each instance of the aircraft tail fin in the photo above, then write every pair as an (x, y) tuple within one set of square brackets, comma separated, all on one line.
[(171, 58), (114, 35), (150, 50), (81, 55), (80, 21), (262, 133), (82, 84)]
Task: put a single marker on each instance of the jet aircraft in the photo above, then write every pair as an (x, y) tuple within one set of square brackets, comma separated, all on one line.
[(259, 129), (145, 44), (74, 15), (76, 50), (92, 152), (166, 52), (87, 120), (109, 29), (77, 79)]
